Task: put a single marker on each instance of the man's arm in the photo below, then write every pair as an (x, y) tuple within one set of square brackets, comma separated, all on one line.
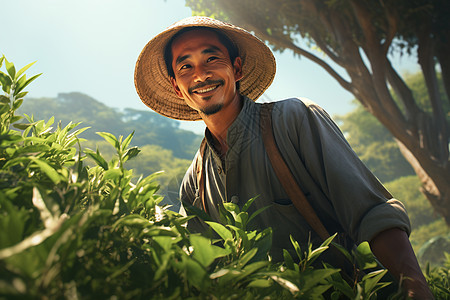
[(393, 249)]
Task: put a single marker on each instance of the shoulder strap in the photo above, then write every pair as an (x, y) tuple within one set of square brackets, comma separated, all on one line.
[(201, 173), (284, 174), (281, 170)]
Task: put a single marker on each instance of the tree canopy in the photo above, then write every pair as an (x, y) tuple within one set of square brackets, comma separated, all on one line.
[(359, 36)]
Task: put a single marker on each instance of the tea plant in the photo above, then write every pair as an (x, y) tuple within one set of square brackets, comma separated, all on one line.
[(78, 232)]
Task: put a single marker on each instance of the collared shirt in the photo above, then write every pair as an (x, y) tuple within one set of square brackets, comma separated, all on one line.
[(346, 196)]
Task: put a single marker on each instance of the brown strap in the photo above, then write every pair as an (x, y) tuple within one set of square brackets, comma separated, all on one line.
[(285, 176), (281, 170), (201, 173)]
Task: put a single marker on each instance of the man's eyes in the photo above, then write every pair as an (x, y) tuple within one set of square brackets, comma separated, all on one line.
[(188, 66)]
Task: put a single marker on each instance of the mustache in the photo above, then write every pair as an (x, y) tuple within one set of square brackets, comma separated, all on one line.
[(206, 83)]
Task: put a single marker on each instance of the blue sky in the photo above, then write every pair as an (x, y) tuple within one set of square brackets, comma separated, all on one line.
[(91, 46)]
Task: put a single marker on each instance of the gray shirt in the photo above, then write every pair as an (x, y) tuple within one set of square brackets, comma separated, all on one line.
[(346, 196)]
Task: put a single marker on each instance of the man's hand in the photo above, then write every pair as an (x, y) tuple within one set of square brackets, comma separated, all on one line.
[(393, 249)]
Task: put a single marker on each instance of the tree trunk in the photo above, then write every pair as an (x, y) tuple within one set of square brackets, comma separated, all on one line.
[(434, 180)]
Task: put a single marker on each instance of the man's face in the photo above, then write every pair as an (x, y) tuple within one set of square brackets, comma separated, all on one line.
[(204, 75)]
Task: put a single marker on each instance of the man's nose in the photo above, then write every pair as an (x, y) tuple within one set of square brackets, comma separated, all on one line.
[(201, 73)]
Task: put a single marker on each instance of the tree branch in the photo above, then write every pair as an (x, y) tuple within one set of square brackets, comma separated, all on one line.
[(300, 51), (438, 145), (404, 94)]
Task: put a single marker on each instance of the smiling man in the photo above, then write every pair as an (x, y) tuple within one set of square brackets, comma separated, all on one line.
[(204, 69)]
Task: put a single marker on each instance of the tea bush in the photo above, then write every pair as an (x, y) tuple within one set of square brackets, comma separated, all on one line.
[(78, 232)]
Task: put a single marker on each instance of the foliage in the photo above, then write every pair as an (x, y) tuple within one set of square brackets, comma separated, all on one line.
[(164, 146), (426, 232), (152, 158), (439, 279), (355, 39), (150, 127), (74, 231), (374, 145)]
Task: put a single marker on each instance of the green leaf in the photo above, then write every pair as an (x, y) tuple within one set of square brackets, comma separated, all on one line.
[(195, 273), (17, 104), (204, 252), (21, 71), (47, 169), (127, 140), (112, 174), (315, 254), (364, 256), (10, 68), (19, 89), (371, 280), (343, 251), (34, 148), (248, 256), (257, 213), (21, 81), (248, 203), (314, 277), (297, 248), (6, 82), (21, 95), (263, 243), (231, 207), (192, 210), (23, 126), (221, 230), (260, 283), (97, 158), (15, 119), (165, 242), (130, 153), (110, 138), (289, 262), (4, 99), (256, 266), (241, 220)]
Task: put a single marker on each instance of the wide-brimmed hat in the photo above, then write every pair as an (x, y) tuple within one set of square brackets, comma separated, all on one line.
[(152, 79)]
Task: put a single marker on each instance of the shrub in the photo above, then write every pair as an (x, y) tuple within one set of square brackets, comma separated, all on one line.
[(73, 231)]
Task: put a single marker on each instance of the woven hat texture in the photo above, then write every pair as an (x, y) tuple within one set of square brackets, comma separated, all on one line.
[(152, 80)]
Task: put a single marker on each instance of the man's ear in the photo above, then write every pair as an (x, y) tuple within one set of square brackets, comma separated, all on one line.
[(237, 69), (175, 87)]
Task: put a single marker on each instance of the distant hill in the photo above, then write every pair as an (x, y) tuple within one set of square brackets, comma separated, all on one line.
[(150, 128)]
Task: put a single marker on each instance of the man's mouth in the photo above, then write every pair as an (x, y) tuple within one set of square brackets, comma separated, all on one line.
[(205, 87), (208, 89)]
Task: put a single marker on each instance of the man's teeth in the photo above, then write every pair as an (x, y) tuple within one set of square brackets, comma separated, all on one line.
[(206, 90)]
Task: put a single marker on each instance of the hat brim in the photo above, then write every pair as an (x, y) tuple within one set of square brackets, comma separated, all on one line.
[(152, 79)]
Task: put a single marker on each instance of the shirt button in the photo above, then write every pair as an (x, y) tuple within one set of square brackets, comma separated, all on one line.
[(219, 169), (234, 199)]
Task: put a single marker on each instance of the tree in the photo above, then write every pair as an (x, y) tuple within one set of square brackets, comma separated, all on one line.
[(360, 36)]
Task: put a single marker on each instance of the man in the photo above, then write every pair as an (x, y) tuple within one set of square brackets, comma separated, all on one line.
[(200, 68)]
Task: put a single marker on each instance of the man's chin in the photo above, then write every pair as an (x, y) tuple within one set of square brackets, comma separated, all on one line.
[(211, 110)]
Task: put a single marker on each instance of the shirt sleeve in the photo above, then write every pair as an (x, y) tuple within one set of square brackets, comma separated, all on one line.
[(188, 187), (362, 205), (189, 194)]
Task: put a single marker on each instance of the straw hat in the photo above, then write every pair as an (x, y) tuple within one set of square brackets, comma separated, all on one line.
[(152, 80)]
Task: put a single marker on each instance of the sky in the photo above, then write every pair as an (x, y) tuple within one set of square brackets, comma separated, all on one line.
[(91, 46)]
